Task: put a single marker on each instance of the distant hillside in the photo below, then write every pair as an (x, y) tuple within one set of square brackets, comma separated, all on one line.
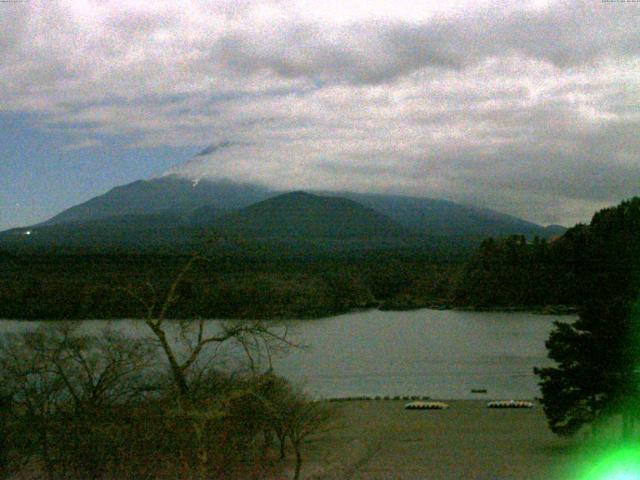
[(552, 231), (131, 231), (206, 215), (173, 211), (171, 194), (202, 200), (448, 219), (297, 222), (300, 215)]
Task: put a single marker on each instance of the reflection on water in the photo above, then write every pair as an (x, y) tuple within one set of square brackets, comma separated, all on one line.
[(443, 354)]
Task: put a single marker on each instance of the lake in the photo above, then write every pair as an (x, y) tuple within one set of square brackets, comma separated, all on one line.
[(439, 353)]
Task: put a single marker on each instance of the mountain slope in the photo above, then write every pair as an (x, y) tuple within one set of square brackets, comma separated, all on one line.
[(448, 219), (300, 215), (200, 201), (298, 220), (173, 194), (173, 210), (137, 232)]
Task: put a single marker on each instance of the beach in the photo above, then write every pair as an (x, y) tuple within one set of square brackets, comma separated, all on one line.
[(379, 439)]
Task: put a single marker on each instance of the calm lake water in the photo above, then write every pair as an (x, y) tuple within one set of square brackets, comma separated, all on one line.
[(442, 354)]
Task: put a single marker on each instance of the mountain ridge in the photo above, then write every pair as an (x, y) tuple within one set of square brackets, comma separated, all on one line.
[(171, 193), (180, 208), (300, 214)]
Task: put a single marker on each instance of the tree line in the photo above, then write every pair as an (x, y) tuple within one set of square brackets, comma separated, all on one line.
[(77, 286), (514, 272)]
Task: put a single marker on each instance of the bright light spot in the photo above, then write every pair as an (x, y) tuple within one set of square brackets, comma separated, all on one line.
[(619, 464), (28, 232)]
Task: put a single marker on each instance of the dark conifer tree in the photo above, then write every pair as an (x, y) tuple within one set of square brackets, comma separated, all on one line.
[(598, 355)]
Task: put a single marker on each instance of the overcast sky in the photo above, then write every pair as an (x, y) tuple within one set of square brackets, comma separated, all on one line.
[(527, 107)]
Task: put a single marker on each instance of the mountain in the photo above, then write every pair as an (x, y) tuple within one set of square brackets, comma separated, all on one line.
[(448, 219), (554, 231), (176, 211), (130, 231), (200, 201), (291, 223), (169, 194), (300, 215), (205, 215)]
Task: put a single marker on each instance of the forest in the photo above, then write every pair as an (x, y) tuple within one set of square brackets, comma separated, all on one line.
[(270, 283), (94, 286), (600, 257)]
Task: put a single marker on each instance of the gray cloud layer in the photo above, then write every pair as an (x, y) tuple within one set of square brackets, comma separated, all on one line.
[(527, 107)]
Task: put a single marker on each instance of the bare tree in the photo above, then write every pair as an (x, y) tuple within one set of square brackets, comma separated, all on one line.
[(5, 408), (290, 414), (255, 338), (35, 390), (101, 369), (304, 418), (60, 382)]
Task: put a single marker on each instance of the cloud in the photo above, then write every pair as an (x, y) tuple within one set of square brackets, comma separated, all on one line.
[(566, 35), (527, 107), (214, 148)]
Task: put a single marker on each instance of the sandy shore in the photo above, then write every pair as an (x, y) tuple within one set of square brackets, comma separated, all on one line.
[(381, 440)]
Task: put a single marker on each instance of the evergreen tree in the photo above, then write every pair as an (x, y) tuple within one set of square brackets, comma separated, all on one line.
[(598, 355), (595, 374)]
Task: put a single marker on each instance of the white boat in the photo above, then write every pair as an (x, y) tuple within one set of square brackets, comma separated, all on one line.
[(510, 404), (426, 406)]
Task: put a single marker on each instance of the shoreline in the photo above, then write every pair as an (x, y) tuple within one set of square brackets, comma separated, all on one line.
[(379, 440), (551, 310)]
